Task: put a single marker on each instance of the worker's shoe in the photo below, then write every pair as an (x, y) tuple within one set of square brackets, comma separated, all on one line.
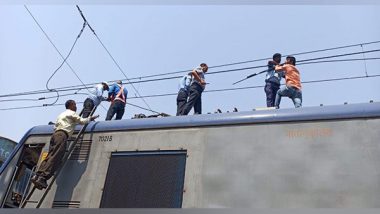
[(39, 182)]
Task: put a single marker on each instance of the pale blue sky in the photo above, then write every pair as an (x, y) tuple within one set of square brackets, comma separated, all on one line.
[(149, 40)]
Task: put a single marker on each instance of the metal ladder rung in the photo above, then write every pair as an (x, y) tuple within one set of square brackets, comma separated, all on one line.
[(29, 201)]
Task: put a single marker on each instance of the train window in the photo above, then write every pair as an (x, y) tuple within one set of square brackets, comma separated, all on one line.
[(145, 179)]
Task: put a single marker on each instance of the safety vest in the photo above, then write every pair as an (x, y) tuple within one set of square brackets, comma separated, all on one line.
[(120, 96)]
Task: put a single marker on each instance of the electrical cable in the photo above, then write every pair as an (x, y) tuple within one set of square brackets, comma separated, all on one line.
[(261, 86), (218, 90), (113, 59), (365, 63), (128, 103), (76, 93), (300, 62), (59, 67), (77, 87), (64, 58), (139, 96), (258, 60), (300, 53)]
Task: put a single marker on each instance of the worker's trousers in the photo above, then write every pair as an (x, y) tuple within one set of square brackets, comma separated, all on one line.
[(88, 105), (57, 149), (181, 101), (195, 99), (118, 108)]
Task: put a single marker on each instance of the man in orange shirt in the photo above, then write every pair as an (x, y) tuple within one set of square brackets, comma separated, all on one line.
[(293, 87)]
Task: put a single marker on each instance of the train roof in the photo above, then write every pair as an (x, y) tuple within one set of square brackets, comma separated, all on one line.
[(347, 111)]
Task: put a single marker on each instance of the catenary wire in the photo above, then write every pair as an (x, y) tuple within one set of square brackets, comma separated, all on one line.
[(365, 63), (305, 63), (70, 88), (55, 47), (258, 60), (261, 86), (113, 59), (299, 62), (224, 71), (59, 67), (245, 61), (218, 90), (64, 58)]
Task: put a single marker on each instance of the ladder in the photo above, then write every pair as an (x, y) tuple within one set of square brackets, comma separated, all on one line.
[(64, 160)]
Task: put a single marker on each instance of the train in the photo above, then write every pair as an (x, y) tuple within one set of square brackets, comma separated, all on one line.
[(309, 157)]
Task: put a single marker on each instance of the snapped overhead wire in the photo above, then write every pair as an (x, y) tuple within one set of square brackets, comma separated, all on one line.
[(113, 59), (64, 58), (63, 62)]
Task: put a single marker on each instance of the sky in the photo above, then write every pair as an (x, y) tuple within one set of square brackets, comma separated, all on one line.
[(155, 39)]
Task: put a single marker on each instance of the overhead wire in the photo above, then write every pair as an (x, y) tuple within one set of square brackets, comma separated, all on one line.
[(218, 90), (64, 58), (256, 60), (261, 86), (113, 59), (365, 63), (55, 47), (12, 100), (59, 67), (61, 104), (148, 96), (262, 59), (300, 62), (229, 64), (305, 63), (128, 103), (217, 66), (80, 87), (300, 53)]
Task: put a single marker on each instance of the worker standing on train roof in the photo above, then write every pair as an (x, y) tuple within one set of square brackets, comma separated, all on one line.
[(183, 93), (292, 88), (272, 80), (95, 97), (196, 88), (63, 129), (117, 94)]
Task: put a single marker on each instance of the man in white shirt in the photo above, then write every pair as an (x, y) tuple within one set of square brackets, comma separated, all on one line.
[(64, 128), (95, 97), (197, 87)]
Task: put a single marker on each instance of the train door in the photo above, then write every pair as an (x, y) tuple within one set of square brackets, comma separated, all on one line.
[(17, 186)]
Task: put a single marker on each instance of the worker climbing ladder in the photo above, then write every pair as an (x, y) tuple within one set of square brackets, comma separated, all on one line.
[(69, 151)]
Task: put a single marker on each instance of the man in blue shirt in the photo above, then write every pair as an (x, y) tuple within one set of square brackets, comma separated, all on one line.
[(117, 94), (95, 97), (183, 93), (272, 80)]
